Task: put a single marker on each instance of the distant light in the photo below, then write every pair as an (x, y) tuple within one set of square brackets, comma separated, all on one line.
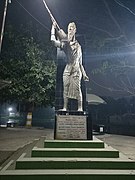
[(11, 114), (9, 1), (10, 109)]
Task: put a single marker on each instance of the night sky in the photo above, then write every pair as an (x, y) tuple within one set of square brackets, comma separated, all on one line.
[(110, 21)]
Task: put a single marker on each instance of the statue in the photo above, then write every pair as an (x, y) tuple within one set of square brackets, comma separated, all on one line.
[(74, 70)]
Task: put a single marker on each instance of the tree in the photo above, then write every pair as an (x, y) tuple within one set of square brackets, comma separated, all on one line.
[(114, 48), (32, 75)]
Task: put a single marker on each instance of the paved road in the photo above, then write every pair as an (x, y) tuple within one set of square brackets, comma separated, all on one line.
[(11, 139), (125, 144)]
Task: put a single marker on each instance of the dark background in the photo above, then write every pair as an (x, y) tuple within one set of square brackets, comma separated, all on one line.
[(105, 30)]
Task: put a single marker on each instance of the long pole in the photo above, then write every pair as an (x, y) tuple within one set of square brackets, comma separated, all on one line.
[(3, 24), (52, 18)]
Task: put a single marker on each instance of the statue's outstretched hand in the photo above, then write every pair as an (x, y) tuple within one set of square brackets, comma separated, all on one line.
[(86, 78)]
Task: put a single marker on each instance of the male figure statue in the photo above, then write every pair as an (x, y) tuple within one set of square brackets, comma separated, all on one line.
[(74, 69)]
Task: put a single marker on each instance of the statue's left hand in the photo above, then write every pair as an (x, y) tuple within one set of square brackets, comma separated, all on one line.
[(86, 78)]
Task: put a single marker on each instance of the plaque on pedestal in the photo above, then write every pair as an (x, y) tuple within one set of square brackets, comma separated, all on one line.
[(71, 126)]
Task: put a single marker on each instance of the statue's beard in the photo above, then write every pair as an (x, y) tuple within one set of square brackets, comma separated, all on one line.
[(70, 37)]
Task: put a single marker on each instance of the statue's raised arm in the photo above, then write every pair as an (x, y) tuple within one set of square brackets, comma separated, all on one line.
[(56, 42), (57, 34)]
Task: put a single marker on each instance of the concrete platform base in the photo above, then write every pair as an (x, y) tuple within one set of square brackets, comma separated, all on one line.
[(68, 174), (95, 143), (71, 160)]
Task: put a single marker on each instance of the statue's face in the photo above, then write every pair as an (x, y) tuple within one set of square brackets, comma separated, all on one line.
[(71, 31)]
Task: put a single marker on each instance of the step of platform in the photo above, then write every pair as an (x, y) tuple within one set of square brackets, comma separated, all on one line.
[(73, 174), (95, 143), (71, 164), (107, 152), (74, 163)]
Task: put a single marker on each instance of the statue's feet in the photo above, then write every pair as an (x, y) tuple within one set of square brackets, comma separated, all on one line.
[(64, 109), (80, 109)]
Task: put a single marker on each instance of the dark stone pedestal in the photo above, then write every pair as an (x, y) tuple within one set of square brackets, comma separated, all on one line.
[(72, 125)]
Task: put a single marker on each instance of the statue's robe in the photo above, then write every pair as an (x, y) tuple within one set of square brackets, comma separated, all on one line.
[(72, 73)]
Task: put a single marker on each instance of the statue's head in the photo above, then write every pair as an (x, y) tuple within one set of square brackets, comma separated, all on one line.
[(71, 31)]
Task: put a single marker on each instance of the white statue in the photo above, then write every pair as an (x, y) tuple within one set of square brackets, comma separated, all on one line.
[(74, 69)]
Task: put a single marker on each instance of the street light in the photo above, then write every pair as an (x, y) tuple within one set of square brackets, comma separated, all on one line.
[(10, 109), (3, 22), (10, 112)]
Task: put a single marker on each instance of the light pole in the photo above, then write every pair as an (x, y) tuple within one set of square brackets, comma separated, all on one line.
[(3, 22)]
